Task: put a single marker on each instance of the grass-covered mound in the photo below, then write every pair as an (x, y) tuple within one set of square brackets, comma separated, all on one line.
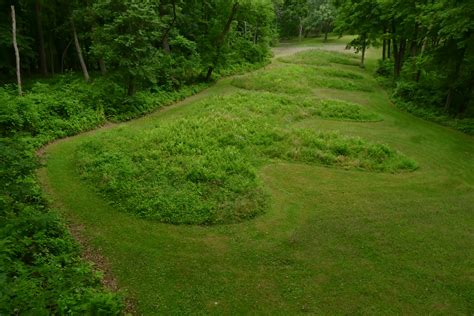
[(343, 110), (306, 71), (282, 78), (202, 169), (319, 57)]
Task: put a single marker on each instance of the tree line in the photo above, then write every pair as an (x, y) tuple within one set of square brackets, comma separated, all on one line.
[(427, 46), (304, 18), (141, 43)]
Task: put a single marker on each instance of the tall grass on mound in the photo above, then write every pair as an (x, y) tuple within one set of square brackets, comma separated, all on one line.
[(342, 110), (202, 169), (318, 57), (282, 79)]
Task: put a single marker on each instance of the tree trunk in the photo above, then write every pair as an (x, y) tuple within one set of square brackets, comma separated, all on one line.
[(326, 31), (423, 48), (300, 34), (364, 46), (79, 52), (165, 38), (414, 42), (399, 53), (389, 49), (384, 50), (454, 78), (221, 38), (51, 55), (102, 67), (63, 56), (17, 53), (255, 36), (42, 52), (130, 87)]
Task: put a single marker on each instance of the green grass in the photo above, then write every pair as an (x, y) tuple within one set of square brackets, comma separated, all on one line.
[(319, 57), (333, 240), (202, 169), (300, 79)]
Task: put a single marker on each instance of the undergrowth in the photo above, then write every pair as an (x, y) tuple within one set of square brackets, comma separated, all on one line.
[(465, 125), (426, 98), (202, 169)]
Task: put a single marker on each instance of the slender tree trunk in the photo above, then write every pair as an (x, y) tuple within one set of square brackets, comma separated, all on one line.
[(51, 55), (103, 68), (79, 52), (384, 50), (414, 42), (42, 52), (364, 46), (423, 48), (221, 38), (63, 56), (454, 78), (17, 53), (300, 34), (130, 87), (255, 36), (326, 31), (389, 49), (399, 53), (165, 38)]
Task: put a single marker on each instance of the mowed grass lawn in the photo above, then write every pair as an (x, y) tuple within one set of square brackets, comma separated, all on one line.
[(328, 200)]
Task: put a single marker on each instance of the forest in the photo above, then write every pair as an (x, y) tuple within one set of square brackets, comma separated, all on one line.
[(238, 148)]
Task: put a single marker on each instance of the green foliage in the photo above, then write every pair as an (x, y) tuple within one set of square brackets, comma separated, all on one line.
[(304, 17), (202, 169), (48, 112), (127, 37), (147, 101), (429, 46), (41, 271)]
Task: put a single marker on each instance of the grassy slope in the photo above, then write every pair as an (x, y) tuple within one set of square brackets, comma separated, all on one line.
[(334, 241)]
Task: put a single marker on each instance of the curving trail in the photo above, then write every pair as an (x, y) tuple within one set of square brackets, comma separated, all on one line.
[(334, 241)]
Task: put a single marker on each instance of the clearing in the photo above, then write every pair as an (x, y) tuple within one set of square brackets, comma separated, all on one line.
[(326, 198)]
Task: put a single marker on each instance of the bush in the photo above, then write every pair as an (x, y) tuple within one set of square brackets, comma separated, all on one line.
[(385, 68)]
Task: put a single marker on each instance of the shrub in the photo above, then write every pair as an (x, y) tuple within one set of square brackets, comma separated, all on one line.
[(384, 68)]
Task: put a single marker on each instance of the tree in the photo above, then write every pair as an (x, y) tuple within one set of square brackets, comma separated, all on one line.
[(221, 38), (17, 53), (321, 16), (127, 39), (361, 18), (79, 51)]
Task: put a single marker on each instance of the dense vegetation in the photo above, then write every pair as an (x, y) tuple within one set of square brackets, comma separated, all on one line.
[(70, 66), (202, 169), (427, 51), (335, 238), (134, 57)]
